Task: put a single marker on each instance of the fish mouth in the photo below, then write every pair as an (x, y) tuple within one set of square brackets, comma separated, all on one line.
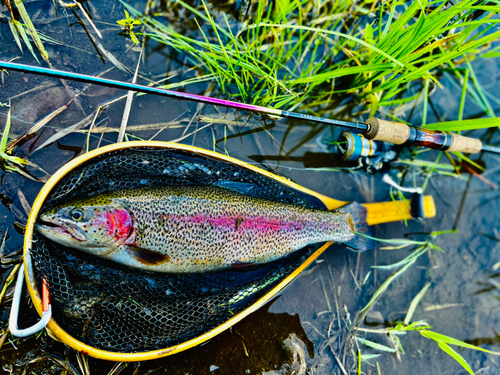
[(61, 230)]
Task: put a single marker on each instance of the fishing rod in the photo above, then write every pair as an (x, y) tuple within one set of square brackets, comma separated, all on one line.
[(374, 129)]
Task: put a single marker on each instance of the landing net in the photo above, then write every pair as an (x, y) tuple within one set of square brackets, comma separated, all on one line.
[(120, 309)]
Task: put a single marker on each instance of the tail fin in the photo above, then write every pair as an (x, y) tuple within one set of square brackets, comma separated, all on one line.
[(357, 220)]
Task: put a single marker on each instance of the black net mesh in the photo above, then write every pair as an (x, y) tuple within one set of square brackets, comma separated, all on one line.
[(121, 309)]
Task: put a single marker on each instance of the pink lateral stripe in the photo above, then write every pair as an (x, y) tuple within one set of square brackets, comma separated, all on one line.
[(246, 223)]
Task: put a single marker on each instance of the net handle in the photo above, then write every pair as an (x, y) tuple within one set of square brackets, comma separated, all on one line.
[(14, 311)]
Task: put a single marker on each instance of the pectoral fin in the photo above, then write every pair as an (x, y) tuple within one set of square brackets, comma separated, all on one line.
[(147, 257)]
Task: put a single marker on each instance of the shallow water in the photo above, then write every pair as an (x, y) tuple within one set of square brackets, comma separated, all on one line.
[(304, 329)]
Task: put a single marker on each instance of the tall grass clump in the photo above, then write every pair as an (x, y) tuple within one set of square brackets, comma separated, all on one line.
[(298, 54)]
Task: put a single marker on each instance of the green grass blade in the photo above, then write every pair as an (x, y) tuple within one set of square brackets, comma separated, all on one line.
[(24, 36), (388, 23), (452, 126), (479, 90), (380, 18), (433, 168), (399, 101), (5, 134), (377, 346), (426, 100), (3, 144), (410, 258), (462, 96), (15, 33), (414, 303), (427, 164), (31, 29), (457, 357), (359, 362), (366, 357), (471, 162), (438, 337), (13, 159)]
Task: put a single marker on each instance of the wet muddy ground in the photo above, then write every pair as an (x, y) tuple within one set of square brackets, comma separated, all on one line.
[(304, 329)]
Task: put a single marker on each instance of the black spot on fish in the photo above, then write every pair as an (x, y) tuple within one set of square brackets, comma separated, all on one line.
[(147, 257), (238, 222)]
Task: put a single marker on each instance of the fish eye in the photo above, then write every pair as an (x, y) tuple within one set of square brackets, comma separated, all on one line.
[(77, 214)]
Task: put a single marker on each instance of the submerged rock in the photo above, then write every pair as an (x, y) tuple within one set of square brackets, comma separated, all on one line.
[(298, 350), (32, 107)]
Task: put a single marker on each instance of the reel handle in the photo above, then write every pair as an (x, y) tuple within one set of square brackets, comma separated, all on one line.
[(402, 134)]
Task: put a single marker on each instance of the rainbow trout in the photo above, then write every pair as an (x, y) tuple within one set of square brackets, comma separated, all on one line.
[(189, 229)]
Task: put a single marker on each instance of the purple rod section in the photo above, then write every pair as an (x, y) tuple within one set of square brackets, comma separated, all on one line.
[(135, 87)]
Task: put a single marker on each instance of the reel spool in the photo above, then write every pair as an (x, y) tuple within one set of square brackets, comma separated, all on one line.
[(357, 146), (114, 312)]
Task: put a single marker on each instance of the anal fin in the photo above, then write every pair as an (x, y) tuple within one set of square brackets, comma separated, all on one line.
[(241, 265)]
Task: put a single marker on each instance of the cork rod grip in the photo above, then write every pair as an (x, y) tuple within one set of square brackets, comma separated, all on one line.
[(398, 134), (465, 144), (387, 131)]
